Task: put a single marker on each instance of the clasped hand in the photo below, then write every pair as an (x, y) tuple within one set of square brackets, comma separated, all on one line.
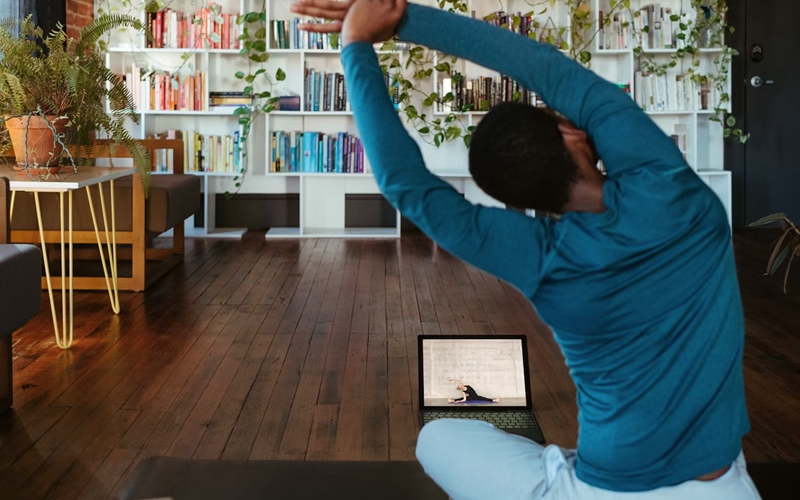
[(358, 20)]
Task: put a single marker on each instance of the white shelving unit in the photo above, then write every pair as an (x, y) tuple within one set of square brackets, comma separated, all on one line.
[(322, 195), (127, 48), (705, 148)]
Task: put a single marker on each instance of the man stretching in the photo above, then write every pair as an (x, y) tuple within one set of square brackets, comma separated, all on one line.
[(636, 278)]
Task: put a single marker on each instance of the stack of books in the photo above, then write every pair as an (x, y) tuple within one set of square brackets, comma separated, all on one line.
[(298, 151), (170, 92), (480, 94), (324, 91), (207, 28), (229, 99), (286, 35)]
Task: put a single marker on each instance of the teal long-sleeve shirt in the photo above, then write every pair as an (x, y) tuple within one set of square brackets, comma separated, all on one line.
[(643, 298)]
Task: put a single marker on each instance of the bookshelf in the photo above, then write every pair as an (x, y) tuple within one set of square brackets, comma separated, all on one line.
[(323, 195), (700, 139), (179, 64)]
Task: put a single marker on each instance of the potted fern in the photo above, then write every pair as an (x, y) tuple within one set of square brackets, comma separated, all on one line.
[(53, 91)]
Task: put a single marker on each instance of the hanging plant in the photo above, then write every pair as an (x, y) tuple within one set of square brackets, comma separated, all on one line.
[(257, 81), (418, 101)]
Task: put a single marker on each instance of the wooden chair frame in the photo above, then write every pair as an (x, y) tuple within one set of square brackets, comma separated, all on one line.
[(139, 253), (6, 371)]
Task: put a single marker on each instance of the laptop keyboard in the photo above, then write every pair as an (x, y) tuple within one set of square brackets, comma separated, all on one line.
[(502, 420)]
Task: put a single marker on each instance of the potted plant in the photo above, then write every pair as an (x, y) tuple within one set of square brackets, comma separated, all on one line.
[(53, 92), (787, 246)]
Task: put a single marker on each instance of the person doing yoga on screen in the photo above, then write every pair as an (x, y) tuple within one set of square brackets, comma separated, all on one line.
[(469, 395)]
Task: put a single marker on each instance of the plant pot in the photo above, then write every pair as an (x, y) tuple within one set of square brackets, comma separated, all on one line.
[(34, 135)]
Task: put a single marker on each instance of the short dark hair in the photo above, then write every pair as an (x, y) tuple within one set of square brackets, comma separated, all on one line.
[(517, 156)]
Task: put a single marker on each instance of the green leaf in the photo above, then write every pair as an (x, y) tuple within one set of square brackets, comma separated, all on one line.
[(430, 99), (280, 75), (248, 90), (214, 37), (585, 56), (730, 121), (241, 111), (443, 67), (437, 139), (453, 132), (674, 18), (252, 17), (424, 130), (250, 78), (261, 33), (411, 112)]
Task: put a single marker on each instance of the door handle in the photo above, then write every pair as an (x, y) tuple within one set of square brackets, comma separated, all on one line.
[(757, 81)]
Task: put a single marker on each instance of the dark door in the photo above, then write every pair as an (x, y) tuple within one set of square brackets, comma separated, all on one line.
[(772, 108)]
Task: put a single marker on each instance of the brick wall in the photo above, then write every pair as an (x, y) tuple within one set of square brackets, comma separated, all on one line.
[(79, 14)]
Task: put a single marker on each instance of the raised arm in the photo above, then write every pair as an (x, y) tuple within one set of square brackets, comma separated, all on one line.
[(505, 243), (623, 134)]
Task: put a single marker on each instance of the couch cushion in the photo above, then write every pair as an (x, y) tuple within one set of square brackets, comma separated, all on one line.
[(20, 285), (172, 199)]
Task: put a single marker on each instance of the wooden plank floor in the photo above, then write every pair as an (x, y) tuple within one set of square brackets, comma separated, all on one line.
[(306, 350)]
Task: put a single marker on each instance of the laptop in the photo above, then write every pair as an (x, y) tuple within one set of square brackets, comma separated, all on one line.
[(477, 377)]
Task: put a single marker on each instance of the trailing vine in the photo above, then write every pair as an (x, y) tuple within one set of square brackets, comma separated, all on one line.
[(704, 29), (257, 80), (418, 97)]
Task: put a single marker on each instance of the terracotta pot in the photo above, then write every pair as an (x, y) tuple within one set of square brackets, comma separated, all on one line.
[(43, 150)]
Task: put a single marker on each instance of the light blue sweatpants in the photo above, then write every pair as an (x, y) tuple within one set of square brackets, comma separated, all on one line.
[(472, 460)]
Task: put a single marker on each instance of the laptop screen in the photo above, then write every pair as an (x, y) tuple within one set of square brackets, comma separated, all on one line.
[(479, 373)]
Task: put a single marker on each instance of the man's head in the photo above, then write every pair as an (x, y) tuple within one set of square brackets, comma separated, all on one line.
[(525, 156)]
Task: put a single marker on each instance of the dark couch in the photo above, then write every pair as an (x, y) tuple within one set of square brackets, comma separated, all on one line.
[(20, 293)]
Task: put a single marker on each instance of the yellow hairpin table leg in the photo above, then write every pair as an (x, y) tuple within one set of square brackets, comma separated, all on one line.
[(63, 336), (111, 244)]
